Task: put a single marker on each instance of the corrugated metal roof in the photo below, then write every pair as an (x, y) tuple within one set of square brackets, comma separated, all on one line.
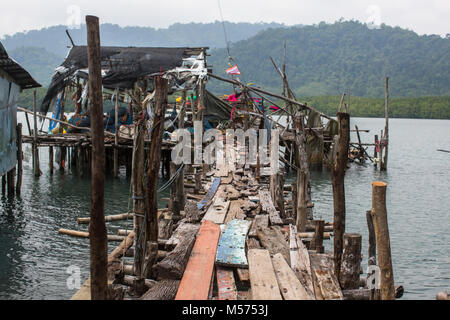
[(19, 74)]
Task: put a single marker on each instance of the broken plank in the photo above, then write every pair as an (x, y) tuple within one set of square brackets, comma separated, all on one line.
[(225, 284), (289, 285), (162, 290), (243, 275), (260, 221), (273, 240), (231, 248), (326, 283), (198, 276), (300, 262), (235, 211), (209, 195), (184, 228), (217, 211), (268, 207), (262, 276), (174, 264)]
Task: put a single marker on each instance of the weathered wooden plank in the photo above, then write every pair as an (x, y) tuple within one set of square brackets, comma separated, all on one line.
[(273, 240), (289, 285), (231, 248), (326, 283), (243, 275), (222, 170), (197, 278), (260, 221), (210, 194), (300, 262), (263, 280), (162, 290), (235, 211), (217, 211), (174, 264), (268, 207), (183, 229), (226, 284)]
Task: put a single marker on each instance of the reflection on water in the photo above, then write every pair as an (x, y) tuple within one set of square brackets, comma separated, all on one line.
[(34, 258)]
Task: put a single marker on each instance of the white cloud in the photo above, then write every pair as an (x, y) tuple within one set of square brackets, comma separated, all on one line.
[(424, 17)]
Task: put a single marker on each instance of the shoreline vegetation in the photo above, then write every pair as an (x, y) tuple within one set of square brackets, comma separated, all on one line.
[(430, 107)]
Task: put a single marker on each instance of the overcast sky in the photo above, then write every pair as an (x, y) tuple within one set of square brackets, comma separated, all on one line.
[(422, 16)]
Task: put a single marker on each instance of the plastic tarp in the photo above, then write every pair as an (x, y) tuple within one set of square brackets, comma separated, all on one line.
[(121, 67), (216, 109), (9, 94)]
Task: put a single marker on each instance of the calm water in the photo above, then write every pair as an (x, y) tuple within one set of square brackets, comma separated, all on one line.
[(34, 258)]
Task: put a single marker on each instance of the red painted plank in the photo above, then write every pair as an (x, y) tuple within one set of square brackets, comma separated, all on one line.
[(225, 284), (198, 276)]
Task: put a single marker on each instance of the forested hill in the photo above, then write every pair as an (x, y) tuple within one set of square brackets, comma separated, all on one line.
[(327, 59), (41, 51), (55, 40)]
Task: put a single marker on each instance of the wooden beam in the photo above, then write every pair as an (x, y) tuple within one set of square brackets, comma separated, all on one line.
[(97, 226)]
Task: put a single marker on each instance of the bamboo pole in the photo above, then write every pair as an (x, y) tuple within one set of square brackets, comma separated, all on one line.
[(337, 176), (97, 226), (379, 215), (19, 159), (115, 217), (50, 159)]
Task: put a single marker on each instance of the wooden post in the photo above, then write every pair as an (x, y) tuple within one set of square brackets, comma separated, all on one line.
[(51, 159), (351, 261), (151, 200), (97, 228), (198, 182), (294, 199), (36, 169), (19, 159), (317, 241), (3, 184), (174, 202), (375, 152), (383, 167), (116, 136), (180, 195), (137, 181), (337, 176), (372, 253), (302, 175), (10, 179), (379, 215)]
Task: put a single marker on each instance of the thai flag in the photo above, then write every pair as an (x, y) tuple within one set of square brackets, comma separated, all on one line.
[(233, 70)]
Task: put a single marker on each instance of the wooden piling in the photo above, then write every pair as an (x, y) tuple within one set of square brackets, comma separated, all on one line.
[(302, 175), (10, 181), (375, 151), (116, 137), (379, 215), (36, 169), (3, 184), (151, 199), (19, 159), (351, 261), (317, 241), (384, 162), (337, 176), (51, 159), (97, 227), (174, 202)]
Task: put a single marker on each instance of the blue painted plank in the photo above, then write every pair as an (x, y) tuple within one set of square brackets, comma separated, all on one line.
[(209, 195), (231, 248)]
